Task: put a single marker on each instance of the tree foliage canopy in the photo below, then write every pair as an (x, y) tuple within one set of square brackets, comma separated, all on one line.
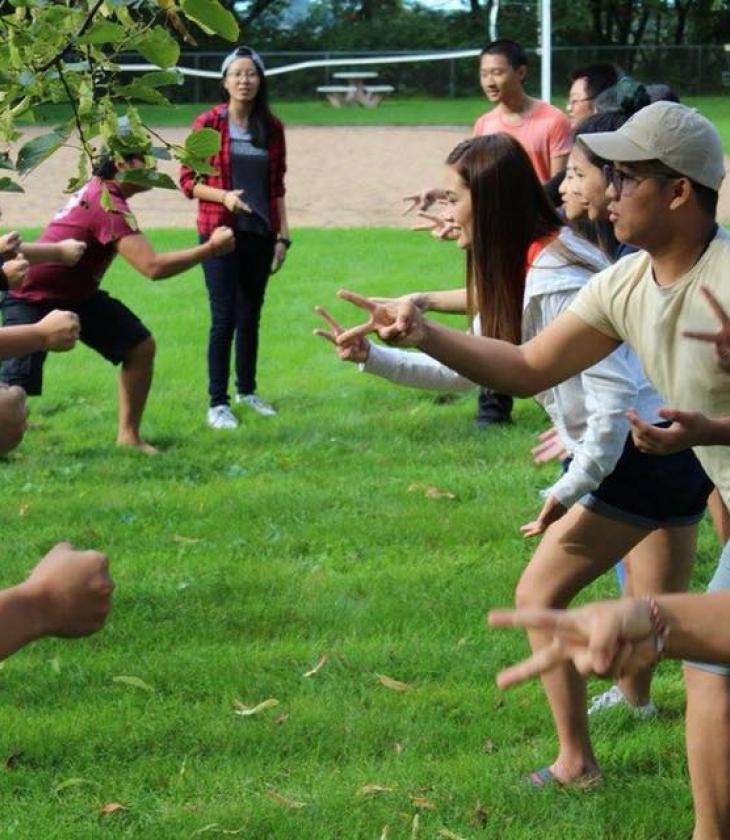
[(67, 52)]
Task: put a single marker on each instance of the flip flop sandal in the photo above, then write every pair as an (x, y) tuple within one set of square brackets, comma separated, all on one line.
[(543, 778)]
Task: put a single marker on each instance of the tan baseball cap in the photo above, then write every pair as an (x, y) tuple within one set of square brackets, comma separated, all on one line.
[(678, 136)]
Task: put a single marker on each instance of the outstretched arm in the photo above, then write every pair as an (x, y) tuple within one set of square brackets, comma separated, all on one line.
[(139, 253), (566, 347), (621, 637)]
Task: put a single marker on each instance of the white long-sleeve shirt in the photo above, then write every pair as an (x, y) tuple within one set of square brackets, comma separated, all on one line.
[(589, 409)]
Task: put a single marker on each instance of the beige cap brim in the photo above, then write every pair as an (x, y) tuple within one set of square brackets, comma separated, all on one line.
[(611, 145)]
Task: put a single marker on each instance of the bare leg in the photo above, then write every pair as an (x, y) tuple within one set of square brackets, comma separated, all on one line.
[(720, 516), (661, 562), (708, 751), (574, 551), (135, 380), (13, 417)]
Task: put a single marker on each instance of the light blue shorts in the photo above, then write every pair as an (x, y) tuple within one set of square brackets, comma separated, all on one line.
[(720, 580)]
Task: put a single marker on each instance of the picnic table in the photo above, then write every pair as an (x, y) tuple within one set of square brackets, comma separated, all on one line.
[(357, 91)]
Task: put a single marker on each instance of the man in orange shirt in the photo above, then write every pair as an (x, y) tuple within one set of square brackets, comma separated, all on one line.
[(542, 129)]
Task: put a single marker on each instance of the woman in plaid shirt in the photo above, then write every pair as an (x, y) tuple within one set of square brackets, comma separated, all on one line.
[(246, 193)]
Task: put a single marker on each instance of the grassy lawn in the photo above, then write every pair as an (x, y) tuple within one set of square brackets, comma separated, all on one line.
[(393, 111), (242, 558)]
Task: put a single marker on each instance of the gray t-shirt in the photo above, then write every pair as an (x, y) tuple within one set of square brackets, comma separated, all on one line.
[(250, 172)]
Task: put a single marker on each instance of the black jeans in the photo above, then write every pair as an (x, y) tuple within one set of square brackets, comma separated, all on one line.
[(236, 288)]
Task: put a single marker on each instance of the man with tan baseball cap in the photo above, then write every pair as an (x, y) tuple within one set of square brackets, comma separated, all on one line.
[(673, 134), (663, 189)]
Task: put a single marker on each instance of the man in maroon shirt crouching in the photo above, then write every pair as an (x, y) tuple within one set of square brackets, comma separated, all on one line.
[(107, 325)]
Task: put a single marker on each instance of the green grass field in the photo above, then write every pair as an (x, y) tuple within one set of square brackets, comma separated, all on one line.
[(242, 558), (395, 111)]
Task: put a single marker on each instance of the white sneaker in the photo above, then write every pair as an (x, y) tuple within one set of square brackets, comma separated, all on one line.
[(221, 417), (257, 404), (615, 697)]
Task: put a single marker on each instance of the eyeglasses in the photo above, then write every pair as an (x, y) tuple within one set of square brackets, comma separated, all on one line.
[(248, 75), (618, 179)]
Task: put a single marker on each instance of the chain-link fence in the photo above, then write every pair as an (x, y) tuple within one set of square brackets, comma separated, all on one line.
[(689, 70)]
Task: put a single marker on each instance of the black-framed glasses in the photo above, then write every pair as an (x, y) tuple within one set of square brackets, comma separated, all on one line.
[(619, 179)]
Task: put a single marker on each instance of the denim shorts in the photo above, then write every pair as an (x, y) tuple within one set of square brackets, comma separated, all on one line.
[(652, 491), (720, 580)]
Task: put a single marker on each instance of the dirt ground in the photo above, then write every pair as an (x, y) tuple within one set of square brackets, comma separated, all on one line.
[(337, 177)]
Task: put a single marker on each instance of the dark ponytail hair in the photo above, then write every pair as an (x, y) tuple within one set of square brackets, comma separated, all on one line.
[(261, 116)]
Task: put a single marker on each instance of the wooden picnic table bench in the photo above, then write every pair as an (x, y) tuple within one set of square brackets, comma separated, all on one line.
[(357, 92)]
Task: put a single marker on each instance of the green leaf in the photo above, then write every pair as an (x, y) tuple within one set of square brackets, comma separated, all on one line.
[(146, 178), (34, 152), (140, 93), (161, 78), (5, 162), (199, 165), (104, 32), (8, 185), (203, 143), (159, 47), (211, 16)]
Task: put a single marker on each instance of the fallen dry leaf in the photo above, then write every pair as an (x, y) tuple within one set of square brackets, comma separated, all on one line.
[(284, 801), (23, 509), (394, 685), (384, 833), (186, 540), (112, 808), (281, 719), (246, 711), (368, 790), (488, 746), (439, 493), (449, 835), (415, 827), (135, 682), (423, 803), (318, 667)]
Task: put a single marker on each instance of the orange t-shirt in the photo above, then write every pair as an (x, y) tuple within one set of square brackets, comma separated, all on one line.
[(544, 133)]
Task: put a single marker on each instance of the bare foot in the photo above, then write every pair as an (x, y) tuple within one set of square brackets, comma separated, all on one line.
[(138, 443)]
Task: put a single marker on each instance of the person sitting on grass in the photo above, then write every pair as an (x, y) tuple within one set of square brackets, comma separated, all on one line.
[(667, 168), (107, 325)]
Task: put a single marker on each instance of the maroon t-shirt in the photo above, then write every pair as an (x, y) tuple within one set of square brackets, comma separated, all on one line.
[(82, 218)]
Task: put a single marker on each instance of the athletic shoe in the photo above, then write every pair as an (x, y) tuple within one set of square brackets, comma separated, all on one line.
[(615, 697), (221, 417), (257, 404)]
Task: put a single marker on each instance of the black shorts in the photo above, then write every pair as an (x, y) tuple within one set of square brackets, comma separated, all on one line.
[(107, 326), (652, 491)]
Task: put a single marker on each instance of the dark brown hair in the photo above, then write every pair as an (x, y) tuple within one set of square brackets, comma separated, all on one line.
[(510, 210)]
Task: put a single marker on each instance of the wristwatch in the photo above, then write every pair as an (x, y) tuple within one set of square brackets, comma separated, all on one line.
[(284, 241)]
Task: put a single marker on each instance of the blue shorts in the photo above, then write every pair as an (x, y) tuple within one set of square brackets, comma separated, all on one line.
[(652, 491), (720, 580)]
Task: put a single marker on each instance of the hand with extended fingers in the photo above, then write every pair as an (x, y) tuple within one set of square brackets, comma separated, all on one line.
[(689, 428), (551, 511), (421, 201), (721, 338), (358, 351), (398, 322), (551, 447), (440, 227), (605, 638)]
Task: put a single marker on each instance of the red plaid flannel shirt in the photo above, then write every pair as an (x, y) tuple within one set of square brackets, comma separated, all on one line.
[(210, 213)]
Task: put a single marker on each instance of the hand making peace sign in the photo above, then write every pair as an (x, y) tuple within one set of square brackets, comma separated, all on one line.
[(357, 351), (721, 338), (397, 322)]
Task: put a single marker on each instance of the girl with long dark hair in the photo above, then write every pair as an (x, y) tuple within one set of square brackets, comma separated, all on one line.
[(524, 268), (247, 193)]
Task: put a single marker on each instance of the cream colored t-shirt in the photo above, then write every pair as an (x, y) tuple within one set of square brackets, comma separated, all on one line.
[(626, 303)]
